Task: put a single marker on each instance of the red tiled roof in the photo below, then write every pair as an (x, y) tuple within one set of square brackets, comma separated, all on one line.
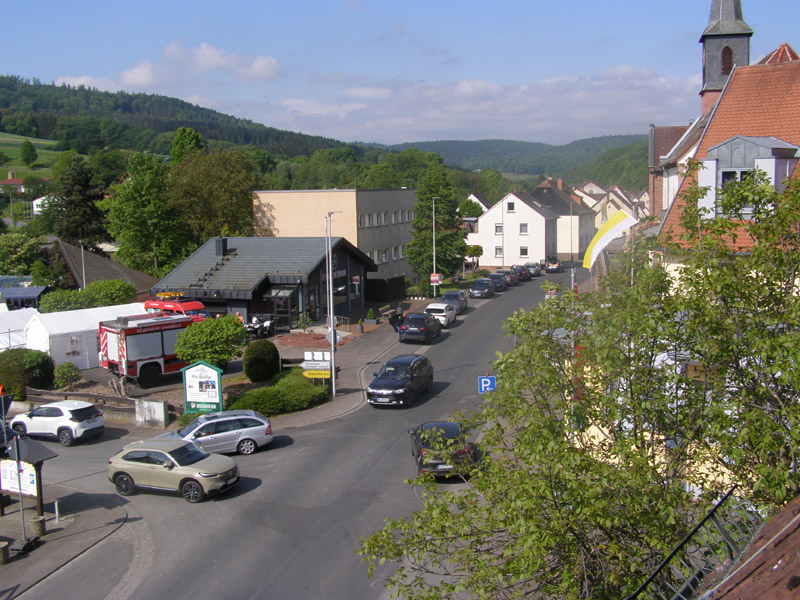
[(760, 100), (784, 53), (665, 138)]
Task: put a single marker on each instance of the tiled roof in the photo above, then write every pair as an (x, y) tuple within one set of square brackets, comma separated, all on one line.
[(536, 205), (784, 53), (664, 138), (760, 100), (560, 201), (100, 268)]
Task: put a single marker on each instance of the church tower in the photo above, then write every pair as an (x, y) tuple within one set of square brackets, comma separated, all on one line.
[(726, 44)]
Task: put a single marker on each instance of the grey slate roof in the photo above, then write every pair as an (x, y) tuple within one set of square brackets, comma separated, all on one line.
[(250, 262), (100, 268), (536, 205), (726, 19)]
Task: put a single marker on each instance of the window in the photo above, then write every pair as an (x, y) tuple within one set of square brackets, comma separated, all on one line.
[(523, 229), (378, 219), (395, 252), (411, 215), (371, 219), (510, 207), (498, 251), (735, 176), (523, 252), (386, 218), (727, 60), (394, 217), (362, 221), (402, 216), (498, 228), (384, 255)]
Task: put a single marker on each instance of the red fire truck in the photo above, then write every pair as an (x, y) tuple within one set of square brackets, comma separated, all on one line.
[(142, 347)]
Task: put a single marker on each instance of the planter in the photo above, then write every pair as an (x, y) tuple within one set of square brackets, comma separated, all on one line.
[(372, 321), (359, 329)]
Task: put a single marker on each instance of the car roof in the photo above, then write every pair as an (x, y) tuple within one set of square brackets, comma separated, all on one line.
[(68, 404), (480, 280), (449, 428), (417, 315), (403, 359), (222, 414), (452, 293), (165, 445)]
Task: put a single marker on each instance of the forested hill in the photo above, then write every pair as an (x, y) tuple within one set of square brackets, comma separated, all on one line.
[(82, 118), (524, 158)]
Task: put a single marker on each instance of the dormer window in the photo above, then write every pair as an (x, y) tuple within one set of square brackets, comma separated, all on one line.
[(510, 206)]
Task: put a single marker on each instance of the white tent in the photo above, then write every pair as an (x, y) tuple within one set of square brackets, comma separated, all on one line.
[(12, 327), (72, 336)]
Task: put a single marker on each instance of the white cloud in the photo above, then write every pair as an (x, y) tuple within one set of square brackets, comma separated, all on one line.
[(143, 75), (259, 68), (368, 93), (205, 58), (303, 108), (474, 88)]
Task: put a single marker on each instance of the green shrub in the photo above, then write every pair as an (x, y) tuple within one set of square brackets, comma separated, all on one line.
[(40, 368), (413, 291), (66, 375), (288, 392), (261, 360)]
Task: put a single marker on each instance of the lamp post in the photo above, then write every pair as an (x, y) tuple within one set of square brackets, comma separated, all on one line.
[(433, 200), (331, 317), (83, 267)]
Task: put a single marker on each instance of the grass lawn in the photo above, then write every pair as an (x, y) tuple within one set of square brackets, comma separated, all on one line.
[(10, 144)]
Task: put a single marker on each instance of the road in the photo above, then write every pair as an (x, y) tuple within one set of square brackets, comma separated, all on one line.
[(291, 528)]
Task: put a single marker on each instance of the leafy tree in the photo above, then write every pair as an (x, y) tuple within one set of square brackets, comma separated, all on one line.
[(41, 274), (19, 124), (150, 232), (598, 427), (109, 292), (185, 142), (60, 165), (108, 166), (18, 253), (66, 375), (261, 360), (27, 153), (215, 341), (474, 252), (469, 208), (35, 187), (450, 244), (61, 300), (3, 158), (77, 214), (213, 194)]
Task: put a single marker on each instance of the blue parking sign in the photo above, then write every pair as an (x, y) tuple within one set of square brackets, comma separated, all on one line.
[(487, 384)]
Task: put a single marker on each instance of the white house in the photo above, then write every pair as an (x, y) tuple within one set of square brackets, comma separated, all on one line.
[(575, 219), (516, 230)]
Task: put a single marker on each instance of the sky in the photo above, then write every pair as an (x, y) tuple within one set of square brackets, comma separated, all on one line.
[(394, 71)]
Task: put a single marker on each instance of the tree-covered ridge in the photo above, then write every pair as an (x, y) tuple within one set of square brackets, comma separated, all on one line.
[(82, 118), (625, 166), (531, 158)]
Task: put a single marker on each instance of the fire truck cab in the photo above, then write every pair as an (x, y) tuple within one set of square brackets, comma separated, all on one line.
[(142, 347)]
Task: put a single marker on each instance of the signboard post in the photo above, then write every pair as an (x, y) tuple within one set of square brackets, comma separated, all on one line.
[(202, 388)]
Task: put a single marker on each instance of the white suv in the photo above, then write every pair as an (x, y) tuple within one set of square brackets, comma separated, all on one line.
[(67, 421), (445, 313)]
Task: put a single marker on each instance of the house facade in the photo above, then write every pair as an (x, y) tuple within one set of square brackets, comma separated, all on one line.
[(515, 230), (575, 219), (377, 222)]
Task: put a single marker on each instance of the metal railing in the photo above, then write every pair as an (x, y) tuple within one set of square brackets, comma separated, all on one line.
[(705, 557)]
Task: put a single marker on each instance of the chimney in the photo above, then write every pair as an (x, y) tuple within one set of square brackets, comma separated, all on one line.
[(220, 246), (560, 183)]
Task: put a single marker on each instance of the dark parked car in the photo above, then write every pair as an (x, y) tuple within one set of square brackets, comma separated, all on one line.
[(481, 288), (554, 265), (419, 326), (456, 298), (534, 269), (522, 272), (511, 276), (438, 447), (401, 380), (498, 281)]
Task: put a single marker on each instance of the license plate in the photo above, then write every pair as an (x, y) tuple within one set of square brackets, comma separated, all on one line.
[(232, 480), (444, 467), (382, 399)]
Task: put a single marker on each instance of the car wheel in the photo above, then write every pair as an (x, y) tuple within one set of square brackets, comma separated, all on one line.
[(192, 491), (246, 447), (65, 437), (124, 484), (20, 429)]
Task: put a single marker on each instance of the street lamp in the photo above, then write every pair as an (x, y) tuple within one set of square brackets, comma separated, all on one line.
[(83, 267), (434, 199), (331, 318)]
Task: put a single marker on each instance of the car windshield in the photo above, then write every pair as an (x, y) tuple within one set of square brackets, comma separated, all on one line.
[(479, 285), (188, 454), (393, 372), (184, 431), (436, 434), (434, 311), (450, 296), (87, 412)]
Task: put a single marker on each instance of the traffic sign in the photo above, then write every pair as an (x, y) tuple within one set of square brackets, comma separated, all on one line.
[(317, 374), (316, 365), (487, 384), (436, 278), (331, 335)]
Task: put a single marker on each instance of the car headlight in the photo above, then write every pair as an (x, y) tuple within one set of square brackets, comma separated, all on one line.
[(401, 390), (209, 475)]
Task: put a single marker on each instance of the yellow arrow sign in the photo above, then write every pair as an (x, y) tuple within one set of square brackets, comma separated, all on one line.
[(317, 374)]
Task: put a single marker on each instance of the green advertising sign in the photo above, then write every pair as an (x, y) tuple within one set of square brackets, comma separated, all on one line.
[(202, 388)]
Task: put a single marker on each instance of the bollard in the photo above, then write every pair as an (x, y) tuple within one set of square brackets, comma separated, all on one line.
[(58, 515), (4, 556), (39, 526)]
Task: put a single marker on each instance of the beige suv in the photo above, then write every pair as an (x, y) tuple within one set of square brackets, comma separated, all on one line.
[(175, 465)]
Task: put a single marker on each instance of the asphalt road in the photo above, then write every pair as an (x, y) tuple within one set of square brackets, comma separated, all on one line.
[(291, 528)]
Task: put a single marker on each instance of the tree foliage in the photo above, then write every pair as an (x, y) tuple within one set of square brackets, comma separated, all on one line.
[(215, 341), (151, 234), (450, 236), (213, 193), (614, 408), (107, 292), (186, 141), (27, 152), (77, 215), (469, 208), (261, 360), (18, 252)]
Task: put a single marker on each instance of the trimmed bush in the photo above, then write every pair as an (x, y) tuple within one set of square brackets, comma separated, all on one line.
[(261, 360), (288, 392), (66, 375), (20, 367), (40, 368)]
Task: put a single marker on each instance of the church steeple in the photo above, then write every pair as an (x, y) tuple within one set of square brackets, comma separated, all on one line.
[(726, 43)]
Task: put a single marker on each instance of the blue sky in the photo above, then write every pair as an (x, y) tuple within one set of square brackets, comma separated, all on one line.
[(392, 72)]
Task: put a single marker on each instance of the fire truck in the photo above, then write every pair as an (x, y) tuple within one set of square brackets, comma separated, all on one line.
[(142, 347)]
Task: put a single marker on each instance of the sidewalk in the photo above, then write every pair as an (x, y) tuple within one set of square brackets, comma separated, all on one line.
[(87, 519)]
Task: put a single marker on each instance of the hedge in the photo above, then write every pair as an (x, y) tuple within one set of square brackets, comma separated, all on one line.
[(20, 367), (288, 392), (261, 361)]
